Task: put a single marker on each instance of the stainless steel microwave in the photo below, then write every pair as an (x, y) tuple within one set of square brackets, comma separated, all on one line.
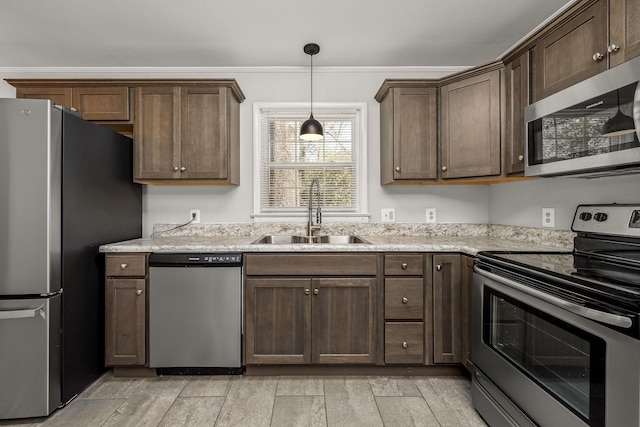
[(588, 130)]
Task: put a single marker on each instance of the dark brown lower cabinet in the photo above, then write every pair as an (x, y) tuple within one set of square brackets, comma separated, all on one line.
[(465, 311), (125, 326), (310, 320), (446, 309)]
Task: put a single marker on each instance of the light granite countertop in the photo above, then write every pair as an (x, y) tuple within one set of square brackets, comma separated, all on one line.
[(469, 245)]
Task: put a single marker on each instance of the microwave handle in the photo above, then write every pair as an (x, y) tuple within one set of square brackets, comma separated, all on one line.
[(588, 313)]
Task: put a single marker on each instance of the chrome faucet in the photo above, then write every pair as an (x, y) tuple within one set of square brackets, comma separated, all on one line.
[(311, 227)]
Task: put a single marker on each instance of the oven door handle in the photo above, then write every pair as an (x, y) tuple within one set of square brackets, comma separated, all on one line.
[(589, 313)]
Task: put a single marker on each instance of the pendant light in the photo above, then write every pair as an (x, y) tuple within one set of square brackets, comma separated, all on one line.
[(311, 130), (619, 124)]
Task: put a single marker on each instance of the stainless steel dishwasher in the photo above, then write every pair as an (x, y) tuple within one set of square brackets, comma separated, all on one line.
[(195, 312)]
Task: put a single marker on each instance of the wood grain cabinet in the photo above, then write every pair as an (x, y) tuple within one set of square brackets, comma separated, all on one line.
[(408, 131), (470, 126), (125, 310), (312, 310), (404, 309), (466, 293), (517, 98), (602, 35), (187, 133), (447, 333)]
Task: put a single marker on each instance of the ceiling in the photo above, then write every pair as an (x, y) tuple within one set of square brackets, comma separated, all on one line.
[(252, 33)]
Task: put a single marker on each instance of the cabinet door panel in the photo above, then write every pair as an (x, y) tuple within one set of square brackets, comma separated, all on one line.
[(204, 140), (565, 56), (415, 133), (446, 309), (102, 103), (125, 336), (57, 95), (517, 76), (466, 274), (471, 127), (278, 316), (157, 133), (624, 16), (343, 320)]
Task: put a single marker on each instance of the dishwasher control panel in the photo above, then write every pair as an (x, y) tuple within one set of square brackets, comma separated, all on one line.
[(195, 259)]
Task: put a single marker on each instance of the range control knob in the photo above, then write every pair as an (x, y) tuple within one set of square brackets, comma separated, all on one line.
[(600, 216), (585, 216)]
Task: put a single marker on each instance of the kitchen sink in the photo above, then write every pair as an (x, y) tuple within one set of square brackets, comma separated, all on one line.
[(288, 240)]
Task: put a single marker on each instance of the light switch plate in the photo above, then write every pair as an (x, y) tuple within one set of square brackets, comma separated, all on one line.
[(388, 215), (549, 217)]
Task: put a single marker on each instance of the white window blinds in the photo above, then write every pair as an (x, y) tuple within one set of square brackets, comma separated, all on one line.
[(288, 164)]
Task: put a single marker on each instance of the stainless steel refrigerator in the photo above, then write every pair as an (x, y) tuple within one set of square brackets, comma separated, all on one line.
[(65, 189)]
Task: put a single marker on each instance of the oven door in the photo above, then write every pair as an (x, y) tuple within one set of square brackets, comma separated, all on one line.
[(557, 367)]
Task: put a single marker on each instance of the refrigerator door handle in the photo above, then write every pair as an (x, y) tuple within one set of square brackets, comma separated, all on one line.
[(20, 314)]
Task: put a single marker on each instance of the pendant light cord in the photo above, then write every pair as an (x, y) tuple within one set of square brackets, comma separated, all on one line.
[(311, 109)]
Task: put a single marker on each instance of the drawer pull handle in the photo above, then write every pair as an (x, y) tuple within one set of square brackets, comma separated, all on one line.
[(307, 292), (405, 300), (405, 344), (139, 292), (404, 265), (123, 265), (438, 267)]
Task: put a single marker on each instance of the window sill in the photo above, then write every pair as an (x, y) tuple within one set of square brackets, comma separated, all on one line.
[(302, 217)]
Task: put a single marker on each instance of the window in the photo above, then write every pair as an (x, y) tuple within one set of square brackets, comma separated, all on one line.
[(285, 165)]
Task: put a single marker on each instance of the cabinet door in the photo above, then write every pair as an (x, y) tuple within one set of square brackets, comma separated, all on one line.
[(471, 127), (465, 310), (415, 135), (517, 85), (58, 95), (343, 325), (125, 322), (446, 309), (566, 55), (278, 321), (102, 102), (157, 133), (624, 16), (204, 136)]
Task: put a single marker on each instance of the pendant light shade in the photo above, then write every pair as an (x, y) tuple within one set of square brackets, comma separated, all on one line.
[(311, 130), (619, 124)]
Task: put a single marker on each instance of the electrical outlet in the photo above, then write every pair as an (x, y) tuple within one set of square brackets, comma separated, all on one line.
[(388, 215), (430, 216), (549, 217), (195, 212)]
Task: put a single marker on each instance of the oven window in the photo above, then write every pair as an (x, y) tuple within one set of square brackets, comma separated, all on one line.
[(566, 361), (577, 131)]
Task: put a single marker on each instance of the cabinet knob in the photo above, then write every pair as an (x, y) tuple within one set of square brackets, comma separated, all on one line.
[(597, 56), (139, 292), (74, 109), (613, 48), (405, 344), (444, 168), (438, 267), (316, 291), (397, 168), (123, 266), (404, 265), (521, 157), (175, 169), (405, 300), (306, 292), (182, 169)]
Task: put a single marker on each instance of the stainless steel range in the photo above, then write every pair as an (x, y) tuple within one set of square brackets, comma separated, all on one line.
[(556, 336)]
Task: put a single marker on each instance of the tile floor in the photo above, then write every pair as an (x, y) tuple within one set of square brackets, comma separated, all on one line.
[(268, 401)]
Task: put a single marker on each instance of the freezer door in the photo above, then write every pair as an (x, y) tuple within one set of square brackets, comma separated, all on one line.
[(29, 357), (30, 176)]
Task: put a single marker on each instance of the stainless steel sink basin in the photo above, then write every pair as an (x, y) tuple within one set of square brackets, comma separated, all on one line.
[(280, 240), (288, 240), (340, 240)]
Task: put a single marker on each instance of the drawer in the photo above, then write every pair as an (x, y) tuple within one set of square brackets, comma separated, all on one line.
[(404, 342), (403, 265), (403, 298), (126, 265), (311, 264)]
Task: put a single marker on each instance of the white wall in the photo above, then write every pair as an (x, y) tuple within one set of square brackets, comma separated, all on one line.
[(521, 203)]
